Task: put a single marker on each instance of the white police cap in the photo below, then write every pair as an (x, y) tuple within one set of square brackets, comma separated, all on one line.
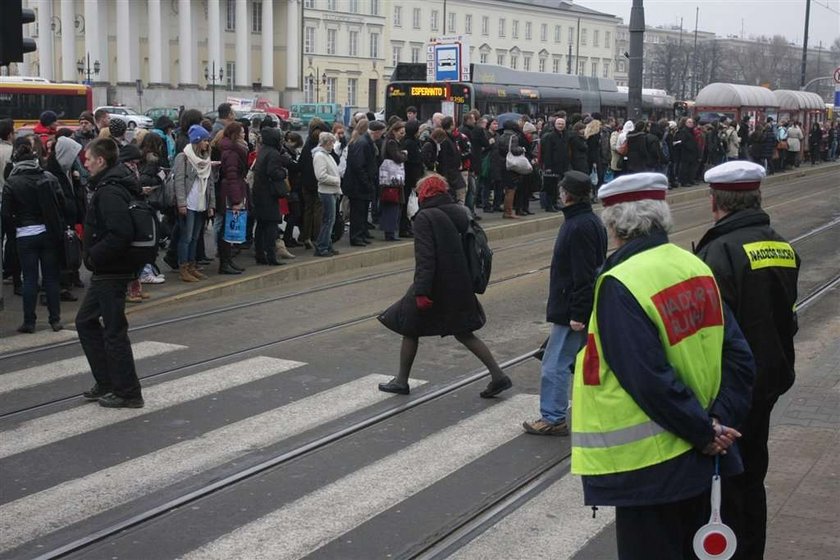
[(635, 186), (735, 176)]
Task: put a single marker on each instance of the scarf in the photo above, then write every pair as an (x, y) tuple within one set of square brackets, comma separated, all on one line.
[(202, 166)]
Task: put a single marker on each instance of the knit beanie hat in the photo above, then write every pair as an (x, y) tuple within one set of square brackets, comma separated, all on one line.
[(48, 118), (197, 133), (117, 128)]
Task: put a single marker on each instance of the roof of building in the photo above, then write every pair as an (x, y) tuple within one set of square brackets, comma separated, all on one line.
[(735, 95), (566, 5), (794, 99)]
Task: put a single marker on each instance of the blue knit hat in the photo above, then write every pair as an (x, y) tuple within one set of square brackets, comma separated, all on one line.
[(197, 133), (48, 118)]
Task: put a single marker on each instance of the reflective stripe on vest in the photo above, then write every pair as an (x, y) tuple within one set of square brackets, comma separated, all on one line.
[(678, 293)]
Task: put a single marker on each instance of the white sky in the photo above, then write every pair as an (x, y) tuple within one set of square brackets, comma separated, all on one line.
[(760, 17)]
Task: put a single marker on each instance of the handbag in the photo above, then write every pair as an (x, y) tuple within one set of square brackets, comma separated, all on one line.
[(593, 176), (236, 222), (517, 164), (413, 205), (390, 194), (782, 145), (391, 172), (72, 250)]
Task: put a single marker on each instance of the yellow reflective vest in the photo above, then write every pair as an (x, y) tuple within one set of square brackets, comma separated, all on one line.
[(678, 293)]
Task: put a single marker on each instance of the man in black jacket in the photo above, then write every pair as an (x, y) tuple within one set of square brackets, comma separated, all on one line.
[(360, 180), (108, 236), (579, 251), (687, 153), (554, 155), (757, 272)]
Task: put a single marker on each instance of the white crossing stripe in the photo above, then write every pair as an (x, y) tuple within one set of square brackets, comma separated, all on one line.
[(310, 522), (75, 500), (60, 369), (554, 525), (39, 338), (67, 423)]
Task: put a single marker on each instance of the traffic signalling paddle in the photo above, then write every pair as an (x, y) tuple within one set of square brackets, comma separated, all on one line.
[(714, 540)]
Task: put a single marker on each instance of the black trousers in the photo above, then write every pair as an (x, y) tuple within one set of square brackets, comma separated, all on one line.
[(106, 343), (661, 532), (265, 238), (687, 171), (743, 497), (358, 219)]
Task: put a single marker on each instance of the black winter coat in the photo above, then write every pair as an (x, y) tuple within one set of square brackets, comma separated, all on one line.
[(579, 150), (554, 153), (509, 139), (440, 273), (579, 252), (74, 193), (270, 176), (108, 229), (413, 163), (362, 173), (308, 182), (637, 154), (761, 297), (449, 164), (33, 196), (685, 145)]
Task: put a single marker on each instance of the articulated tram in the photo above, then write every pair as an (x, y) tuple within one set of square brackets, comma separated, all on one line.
[(495, 90)]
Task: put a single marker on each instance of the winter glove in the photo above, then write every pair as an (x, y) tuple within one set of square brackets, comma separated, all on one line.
[(423, 303)]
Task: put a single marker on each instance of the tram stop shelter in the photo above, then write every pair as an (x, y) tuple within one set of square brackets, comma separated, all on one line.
[(735, 101)]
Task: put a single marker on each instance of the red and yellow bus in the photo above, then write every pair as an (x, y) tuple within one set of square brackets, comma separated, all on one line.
[(24, 99)]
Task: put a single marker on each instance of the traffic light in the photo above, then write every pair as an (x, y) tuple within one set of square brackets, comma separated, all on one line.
[(12, 44)]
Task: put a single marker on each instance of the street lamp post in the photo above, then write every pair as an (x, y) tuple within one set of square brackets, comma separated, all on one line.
[(85, 69), (317, 83), (210, 76)]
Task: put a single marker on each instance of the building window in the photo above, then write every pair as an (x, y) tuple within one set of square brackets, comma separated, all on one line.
[(571, 35), (607, 37), (514, 62), (352, 87), (415, 54), (374, 7), (526, 63), (309, 40), (331, 86), (396, 55), (397, 16), (256, 17), (555, 65), (450, 23), (502, 25), (230, 71), (306, 3), (594, 73), (415, 18), (354, 43), (433, 20), (485, 25), (354, 6), (308, 90), (374, 45), (230, 16), (514, 32), (468, 24), (606, 69), (500, 59), (331, 5), (331, 38), (484, 57), (596, 38), (527, 30), (581, 67), (543, 32), (583, 34), (621, 66), (542, 65), (557, 33)]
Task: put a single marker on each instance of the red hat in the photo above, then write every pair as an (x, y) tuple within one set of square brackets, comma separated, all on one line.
[(431, 185)]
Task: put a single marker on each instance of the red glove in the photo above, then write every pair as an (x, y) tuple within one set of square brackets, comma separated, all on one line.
[(423, 303)]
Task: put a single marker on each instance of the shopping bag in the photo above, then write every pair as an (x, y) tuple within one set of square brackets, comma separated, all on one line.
[(413, 205), (236, 222)]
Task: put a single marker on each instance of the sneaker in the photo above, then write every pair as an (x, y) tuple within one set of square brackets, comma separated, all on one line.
[(540, 427), (151, 278), (95, 393), (113, 401), (494, 388), (26, 328)]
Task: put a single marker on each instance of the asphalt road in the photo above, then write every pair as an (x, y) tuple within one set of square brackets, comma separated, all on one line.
[(229, 391)]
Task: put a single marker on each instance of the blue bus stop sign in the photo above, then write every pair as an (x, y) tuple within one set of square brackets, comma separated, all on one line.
[(447, 62)]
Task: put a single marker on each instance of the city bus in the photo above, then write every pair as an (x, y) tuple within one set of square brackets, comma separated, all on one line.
[(24, 99), (494, 90)]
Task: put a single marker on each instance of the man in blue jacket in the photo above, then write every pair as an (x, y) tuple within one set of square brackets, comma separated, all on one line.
[(579, 251)]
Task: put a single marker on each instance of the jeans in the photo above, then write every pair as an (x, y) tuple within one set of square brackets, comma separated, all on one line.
[(560, 352), (34, 250), (190, 228), (106, 344), (323, 245)]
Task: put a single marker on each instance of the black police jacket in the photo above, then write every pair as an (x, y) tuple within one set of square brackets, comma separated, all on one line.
[(757, 280)]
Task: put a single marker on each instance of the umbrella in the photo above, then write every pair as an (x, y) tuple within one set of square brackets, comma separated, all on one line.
[(505, 117)]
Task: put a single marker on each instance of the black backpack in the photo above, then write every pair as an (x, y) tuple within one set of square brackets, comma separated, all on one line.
[(145, 238), (479, 256)]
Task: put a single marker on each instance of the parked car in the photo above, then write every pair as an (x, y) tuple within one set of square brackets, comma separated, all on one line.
[(327, 112), (132, 118), (156, 112)]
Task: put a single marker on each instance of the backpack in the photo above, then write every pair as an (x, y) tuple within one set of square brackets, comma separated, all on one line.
[(464, 148), (146, 237), (479, 256)]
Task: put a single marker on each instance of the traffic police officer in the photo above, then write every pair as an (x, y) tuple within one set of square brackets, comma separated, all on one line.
[(664, 372), (757, 271)]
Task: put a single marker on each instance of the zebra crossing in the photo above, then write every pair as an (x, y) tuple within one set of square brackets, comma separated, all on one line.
[(52, 512)]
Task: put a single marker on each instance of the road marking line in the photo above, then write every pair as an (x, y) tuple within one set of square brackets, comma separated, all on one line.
[(40, 338), (68, 423), (61, 369), (310, 522), (81, 498)]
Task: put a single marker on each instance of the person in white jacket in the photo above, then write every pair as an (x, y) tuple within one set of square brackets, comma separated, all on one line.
[(329, 187)]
